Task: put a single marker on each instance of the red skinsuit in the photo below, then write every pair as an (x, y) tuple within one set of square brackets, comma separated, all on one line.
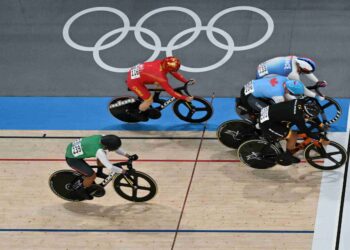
[(152, 73)]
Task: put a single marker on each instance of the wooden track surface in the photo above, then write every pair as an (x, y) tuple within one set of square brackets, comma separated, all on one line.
[(226, 205)]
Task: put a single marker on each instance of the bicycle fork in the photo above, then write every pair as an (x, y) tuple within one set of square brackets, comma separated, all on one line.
[(111, 176)]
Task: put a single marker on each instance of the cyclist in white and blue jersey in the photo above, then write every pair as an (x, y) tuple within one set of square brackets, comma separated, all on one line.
[(291, 67)]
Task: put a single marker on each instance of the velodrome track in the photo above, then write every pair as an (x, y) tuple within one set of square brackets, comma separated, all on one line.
[(53, 93)]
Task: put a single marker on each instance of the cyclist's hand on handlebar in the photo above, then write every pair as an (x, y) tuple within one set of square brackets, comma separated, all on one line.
[(320, 98), (321, 84), (189, 98), (133, 157), (323, 126), (191, 82)]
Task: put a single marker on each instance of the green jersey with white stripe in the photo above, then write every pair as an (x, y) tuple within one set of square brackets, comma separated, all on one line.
[(84, 148)]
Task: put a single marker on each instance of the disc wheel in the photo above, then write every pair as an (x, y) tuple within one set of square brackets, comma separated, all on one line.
[(60, 183), (258, 154), (233, 133), (328, 157), (119, 109), (197, 111), (136, 186)]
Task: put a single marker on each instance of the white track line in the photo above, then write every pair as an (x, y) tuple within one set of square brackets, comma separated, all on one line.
[(345, 230), (326, 225)]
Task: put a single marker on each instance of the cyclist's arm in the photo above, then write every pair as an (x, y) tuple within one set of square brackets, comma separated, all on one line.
[(165, 85), (102, 157), (179, 77), (309, 93), (311, 77), (120, 151)]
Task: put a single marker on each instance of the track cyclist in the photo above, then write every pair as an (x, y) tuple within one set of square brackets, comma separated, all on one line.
[(277, 88), (155, 72), (276, 122), (291, 67), (88, 147)]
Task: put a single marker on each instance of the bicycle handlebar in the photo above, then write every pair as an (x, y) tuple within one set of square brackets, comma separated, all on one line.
[(127, 163), (315, 87)]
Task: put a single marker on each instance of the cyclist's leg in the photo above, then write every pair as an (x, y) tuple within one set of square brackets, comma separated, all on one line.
[(292, 140), (82, 167), (141, 91), (275, 132), (251, 112), (255, 103)]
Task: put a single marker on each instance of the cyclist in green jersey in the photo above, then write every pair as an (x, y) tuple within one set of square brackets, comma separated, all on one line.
[(88, 147)]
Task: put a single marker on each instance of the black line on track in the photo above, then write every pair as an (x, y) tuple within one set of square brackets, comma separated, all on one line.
[(342, 200), (191, 179), (44, 136)]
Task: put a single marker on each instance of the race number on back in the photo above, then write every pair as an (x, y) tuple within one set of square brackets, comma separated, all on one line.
[(262, 70), (248, 88), (135, 72), (77, 149), (264, 114)]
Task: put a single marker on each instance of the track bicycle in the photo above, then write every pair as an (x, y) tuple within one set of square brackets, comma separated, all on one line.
[(133, 186), (262, 154), (197, 111)]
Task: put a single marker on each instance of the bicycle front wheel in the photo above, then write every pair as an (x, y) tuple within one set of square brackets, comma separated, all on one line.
[(136, 186), (197, 111), (328, 157)]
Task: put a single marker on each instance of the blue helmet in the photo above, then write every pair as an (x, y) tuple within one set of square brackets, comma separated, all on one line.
[(306, 64), (295, 87)]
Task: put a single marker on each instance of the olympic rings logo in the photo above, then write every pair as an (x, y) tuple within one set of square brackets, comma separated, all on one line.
[(157, 47)]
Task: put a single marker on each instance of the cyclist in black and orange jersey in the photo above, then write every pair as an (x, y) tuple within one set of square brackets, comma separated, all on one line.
[(276, 122)]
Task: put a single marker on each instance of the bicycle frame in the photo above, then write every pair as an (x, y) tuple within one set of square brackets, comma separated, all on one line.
[(306, 141), (113, 175), (163, 105)]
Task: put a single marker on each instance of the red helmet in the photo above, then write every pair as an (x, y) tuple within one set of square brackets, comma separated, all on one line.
[(171, 63)]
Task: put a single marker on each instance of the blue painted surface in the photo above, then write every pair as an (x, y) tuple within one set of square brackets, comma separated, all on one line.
[(91, 113)]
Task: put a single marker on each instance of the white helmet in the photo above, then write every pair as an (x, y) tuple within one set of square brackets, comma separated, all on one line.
[(306, 64)]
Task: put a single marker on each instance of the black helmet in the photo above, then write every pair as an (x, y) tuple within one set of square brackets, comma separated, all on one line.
[(111, 142), (312, 109)]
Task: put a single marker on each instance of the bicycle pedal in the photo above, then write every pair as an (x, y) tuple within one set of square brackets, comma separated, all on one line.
[(96, 190), (153, 113)]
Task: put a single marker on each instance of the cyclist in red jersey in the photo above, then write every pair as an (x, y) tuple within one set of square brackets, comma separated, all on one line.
[(155, 73)]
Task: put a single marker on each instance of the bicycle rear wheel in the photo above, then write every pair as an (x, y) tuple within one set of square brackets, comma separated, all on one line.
[(60, 183), (233, 133), (120, 106), (258, 154), (328, 157), (137, 186)]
